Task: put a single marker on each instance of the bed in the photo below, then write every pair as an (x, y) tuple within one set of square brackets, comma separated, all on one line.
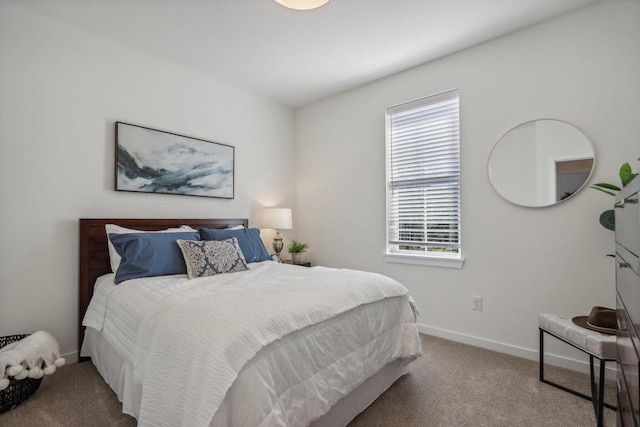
[(315, 356)]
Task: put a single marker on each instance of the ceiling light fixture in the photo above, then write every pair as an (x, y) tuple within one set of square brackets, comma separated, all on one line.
[(302, 4)]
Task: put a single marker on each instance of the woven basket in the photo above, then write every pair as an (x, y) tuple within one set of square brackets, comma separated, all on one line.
[(18, 390)]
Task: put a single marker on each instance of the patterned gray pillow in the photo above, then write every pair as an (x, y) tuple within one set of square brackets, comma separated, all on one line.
[(210, 257)]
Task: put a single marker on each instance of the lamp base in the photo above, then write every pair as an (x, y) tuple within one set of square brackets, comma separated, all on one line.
[(278, 245)]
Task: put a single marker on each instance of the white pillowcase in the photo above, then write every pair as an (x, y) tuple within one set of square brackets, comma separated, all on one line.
[(236, 227), (114, 257)]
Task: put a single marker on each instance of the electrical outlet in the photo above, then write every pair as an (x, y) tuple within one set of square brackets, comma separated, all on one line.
[(477, 302)]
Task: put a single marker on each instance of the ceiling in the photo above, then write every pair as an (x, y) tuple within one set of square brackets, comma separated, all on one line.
[(298, 57)]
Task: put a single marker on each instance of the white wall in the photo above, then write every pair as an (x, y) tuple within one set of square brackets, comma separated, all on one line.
[(582, 68), (61, 90)]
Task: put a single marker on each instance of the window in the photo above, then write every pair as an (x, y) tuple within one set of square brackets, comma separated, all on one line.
[(423, 181)]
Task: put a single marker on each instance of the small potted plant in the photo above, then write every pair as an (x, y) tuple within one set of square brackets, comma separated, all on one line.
[(608, 218), (296, 249)]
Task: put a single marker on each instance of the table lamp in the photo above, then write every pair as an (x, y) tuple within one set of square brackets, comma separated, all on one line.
[(277, 219)]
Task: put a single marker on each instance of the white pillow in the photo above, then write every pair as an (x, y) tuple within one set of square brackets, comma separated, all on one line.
[(236, 227), (114, 257)]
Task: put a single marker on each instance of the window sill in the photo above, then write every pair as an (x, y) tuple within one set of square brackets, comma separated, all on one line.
[(424, 260)]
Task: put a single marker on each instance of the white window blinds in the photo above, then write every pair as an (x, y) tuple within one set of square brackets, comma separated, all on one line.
[(423, 177)]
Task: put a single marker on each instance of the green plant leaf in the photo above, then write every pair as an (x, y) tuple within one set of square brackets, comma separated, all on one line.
[(297, 247), (595, 187), (625, 174), (608, 220), (606, 185)]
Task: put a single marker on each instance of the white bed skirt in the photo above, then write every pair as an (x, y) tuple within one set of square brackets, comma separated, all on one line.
[(118, 373)]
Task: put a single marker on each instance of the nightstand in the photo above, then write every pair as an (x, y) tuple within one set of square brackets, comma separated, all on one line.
[(302, 264)]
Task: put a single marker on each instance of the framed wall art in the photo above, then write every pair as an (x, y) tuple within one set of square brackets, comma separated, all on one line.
[(153, 161)]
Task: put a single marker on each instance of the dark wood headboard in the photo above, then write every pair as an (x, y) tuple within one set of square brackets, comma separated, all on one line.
[(94, 253)]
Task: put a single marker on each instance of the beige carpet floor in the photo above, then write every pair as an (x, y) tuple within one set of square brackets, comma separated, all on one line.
[(451, 385)]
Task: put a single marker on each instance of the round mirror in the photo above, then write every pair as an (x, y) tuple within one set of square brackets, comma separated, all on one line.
[(541, 163)]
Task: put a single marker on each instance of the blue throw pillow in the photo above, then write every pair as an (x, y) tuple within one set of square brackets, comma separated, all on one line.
[(248, 239), (149, 254)]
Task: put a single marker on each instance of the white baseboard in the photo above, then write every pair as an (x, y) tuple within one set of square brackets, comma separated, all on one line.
[(525, 353), (70, 357)]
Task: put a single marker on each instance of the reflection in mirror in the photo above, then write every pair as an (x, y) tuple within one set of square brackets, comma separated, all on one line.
[(541, 163)]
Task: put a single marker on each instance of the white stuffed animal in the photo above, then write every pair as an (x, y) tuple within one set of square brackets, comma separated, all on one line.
[(25, 358)]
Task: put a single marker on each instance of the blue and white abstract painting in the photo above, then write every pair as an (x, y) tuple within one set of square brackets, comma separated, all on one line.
[(152, 161)]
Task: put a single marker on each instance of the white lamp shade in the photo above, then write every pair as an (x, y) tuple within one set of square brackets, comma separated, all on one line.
[(302, 4), (277, 218)]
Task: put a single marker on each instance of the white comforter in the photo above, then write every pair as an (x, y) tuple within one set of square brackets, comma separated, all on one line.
[(189, 340)]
